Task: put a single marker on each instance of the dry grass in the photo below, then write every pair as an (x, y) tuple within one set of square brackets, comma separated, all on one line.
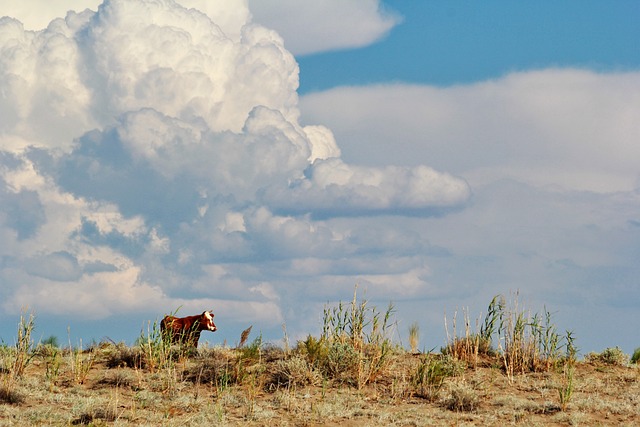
[(211, 387), (352, 375)]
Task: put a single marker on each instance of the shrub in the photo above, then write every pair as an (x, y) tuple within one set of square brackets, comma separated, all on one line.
[(217, 367), (120, 356), (293, 372), (635, 358), (462, 398), (610, 356)]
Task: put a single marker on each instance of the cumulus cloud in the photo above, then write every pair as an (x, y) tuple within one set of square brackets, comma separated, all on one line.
[(310, 26), (152, 157), (571, 128), (551, 156)]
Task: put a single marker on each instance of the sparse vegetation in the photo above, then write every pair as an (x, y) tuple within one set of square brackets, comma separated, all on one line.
[(610, 356), (414, 337), (353, 373)]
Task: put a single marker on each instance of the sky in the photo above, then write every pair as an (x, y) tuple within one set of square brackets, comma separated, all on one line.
[(262, 158)]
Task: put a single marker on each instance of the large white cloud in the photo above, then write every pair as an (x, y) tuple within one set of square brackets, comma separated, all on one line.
[(313, 26), (552, 157), (572, 128), (308, 26), (151, 158)]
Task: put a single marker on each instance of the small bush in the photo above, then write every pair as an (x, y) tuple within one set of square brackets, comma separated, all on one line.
[(122, 356), (8, 394), (462, 398), (610, 356), (293, 372), (215, 369), (635, 358), (117, 378)]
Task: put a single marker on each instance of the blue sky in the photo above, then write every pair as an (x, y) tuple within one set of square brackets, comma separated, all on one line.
[(447, 43), (262, 157)]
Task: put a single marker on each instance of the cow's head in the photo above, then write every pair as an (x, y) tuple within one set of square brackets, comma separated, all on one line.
[(206, 321)]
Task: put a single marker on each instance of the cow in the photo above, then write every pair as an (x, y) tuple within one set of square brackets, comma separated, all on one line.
[(186, 330)]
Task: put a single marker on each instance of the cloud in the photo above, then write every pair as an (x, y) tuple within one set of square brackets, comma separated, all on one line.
[(152, 158), (332, 187), (551, 158), (312, 26), (572, 128), (36, 15)]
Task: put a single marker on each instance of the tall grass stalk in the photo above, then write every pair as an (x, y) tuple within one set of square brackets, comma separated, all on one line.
[(15, 360), (80, 362), (355, 343), (156, 348), (526, 342), (24, 345), (467, 347), (414, 337)]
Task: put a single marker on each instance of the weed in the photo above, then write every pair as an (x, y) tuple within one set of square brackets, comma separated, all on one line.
[(467, 348), (15, 360), (24, 345), (565, 391), (52, 364), (431, 373), (414, 337), (155, 348), (525, 342), (355, 345), (244, 336)]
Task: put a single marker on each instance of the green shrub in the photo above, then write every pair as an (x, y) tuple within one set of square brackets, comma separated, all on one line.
[(635, 358), (430, 374)]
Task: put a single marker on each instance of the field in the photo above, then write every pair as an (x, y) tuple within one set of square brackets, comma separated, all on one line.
[(514, 370)]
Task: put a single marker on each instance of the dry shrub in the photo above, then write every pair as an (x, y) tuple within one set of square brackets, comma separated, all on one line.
[(96, 414), (293, 372), (120, 356), (218, 367), (9, 394), (610, 356), (117, 378), (462, 398)]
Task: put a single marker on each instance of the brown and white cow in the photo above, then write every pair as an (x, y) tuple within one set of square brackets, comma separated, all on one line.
[(186, 330)]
